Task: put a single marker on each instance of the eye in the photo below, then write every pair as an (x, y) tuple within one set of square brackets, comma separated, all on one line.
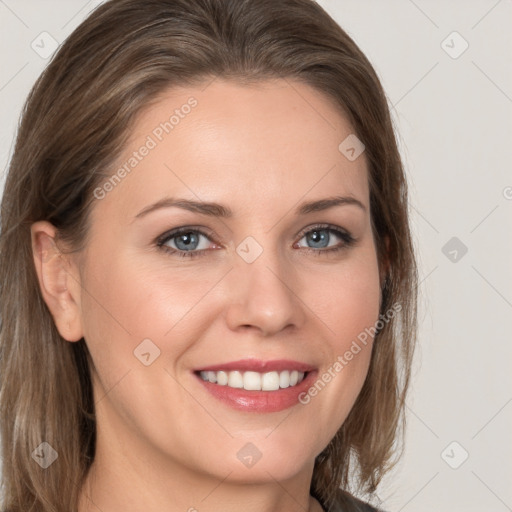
[(323, 236), (185, 242)]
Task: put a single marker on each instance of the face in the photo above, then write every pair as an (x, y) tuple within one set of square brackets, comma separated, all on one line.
[(224, 252)]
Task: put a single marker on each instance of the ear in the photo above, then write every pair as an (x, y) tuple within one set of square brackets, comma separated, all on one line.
[(59, 281)]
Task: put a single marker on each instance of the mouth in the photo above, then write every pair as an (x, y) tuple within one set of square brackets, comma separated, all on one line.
[(257, 386), (254, 381)]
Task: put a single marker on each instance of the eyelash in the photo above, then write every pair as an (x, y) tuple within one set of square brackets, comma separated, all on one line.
[(348, 240)]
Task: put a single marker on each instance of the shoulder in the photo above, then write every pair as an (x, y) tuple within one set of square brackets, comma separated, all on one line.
[(345, 502)]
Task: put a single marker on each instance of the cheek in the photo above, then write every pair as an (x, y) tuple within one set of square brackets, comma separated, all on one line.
[(128, 302), (358, 312), (349, 299), (350, 307), (138, 301)]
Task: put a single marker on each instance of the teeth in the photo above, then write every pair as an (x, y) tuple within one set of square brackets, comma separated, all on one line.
[(235, 380), (270, 381), (284, 379), (222, 378), (254, 381)]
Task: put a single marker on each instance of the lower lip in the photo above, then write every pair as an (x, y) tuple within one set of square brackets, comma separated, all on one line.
[(259, 401)]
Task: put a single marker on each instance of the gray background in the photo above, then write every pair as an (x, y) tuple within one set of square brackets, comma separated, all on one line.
[(452, 109)]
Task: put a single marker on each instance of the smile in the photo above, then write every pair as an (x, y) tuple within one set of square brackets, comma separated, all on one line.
[(254, 381), (255, 385)]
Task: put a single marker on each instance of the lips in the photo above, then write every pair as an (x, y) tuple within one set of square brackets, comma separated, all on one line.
[(257, 386), (256, 365)]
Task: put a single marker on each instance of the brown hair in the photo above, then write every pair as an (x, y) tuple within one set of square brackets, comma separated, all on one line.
[(76, 121)]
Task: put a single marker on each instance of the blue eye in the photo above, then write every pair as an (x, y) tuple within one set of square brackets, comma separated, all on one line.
[(320, 237), (192, 242), (184, 242)]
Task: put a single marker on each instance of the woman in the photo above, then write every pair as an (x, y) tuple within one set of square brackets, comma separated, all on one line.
[(208, 280)]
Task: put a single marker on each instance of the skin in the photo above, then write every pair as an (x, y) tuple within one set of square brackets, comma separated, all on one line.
[(163, 442)]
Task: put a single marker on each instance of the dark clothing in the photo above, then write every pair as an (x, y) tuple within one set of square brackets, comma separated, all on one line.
[(347, 503)]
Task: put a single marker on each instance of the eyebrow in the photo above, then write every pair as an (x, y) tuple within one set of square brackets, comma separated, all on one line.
[(218, 210)]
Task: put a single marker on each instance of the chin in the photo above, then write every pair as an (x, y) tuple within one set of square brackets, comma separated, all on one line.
[(281, 467), (278, 455)]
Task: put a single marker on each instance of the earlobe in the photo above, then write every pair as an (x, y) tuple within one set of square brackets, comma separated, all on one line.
[(58, 281)]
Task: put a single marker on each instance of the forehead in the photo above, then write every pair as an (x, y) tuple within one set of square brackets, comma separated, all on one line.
[(273, 141)]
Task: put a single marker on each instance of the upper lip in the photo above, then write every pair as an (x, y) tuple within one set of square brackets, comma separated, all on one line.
[(258, 365)]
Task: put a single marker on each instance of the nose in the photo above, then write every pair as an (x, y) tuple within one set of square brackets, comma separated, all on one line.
[(265, 296)]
